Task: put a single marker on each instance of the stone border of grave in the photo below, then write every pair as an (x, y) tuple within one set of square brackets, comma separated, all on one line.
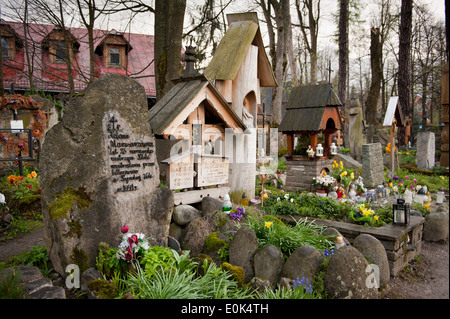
[(402, 243)]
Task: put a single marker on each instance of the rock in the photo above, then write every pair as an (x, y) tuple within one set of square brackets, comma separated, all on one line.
[(177, 232), (173, 243), (27, 273), (89, 275), (435, 227), (260, 284), (210, 205), (98, 171), (372, 249), (7, 219), (303, 262), (268, 264), (372, 165), (425, 156), (242, 250), (195, 238), (49, 292), (37, 284), (184, 214), (284, 282), (346, 276)]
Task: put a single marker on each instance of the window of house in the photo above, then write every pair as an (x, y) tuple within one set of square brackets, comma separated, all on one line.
[(114, 56), (5, 48), (60, 52)]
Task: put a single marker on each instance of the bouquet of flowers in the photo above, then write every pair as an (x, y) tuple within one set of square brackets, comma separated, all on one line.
[(324, 182), (132, 246)]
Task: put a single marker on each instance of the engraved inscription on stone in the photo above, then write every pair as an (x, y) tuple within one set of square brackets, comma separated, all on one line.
[(130, 160)]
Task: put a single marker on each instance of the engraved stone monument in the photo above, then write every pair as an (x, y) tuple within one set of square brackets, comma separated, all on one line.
[(99, 171)]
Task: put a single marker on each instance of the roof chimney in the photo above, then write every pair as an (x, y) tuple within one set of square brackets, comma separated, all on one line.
[(189, 58)]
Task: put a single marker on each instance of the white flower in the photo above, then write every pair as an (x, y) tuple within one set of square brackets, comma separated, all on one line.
[(278, 199), (286, 196), (2, 199), (292, 200)]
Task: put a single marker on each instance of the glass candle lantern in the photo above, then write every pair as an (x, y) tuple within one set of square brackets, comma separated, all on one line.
[(440, 197), (244, 199), (400, 212), (333, 149), (319, 150)]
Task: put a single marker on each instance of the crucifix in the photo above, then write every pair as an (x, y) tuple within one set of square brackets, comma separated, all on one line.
[(264, 115), (329, 71)]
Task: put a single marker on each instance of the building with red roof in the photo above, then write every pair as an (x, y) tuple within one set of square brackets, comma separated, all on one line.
[(128, 54)]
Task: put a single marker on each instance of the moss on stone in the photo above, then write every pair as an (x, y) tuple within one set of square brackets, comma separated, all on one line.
[(64, 202), (236, 271), (80, 258), (27, 200), (103, 289), (213, 242), (75, 228)]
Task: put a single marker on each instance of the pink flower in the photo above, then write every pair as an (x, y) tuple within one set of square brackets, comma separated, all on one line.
[(29, 186), (415, 180), (133, 239), (124, 229), (406, 177)]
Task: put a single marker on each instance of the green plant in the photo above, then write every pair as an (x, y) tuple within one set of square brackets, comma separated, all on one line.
[(36, 256), (286, 238), (299, 290), (10, 287)]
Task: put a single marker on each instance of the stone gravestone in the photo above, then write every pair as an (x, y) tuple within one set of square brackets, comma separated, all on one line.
[(98, 171), (425, 150), (372, 164)]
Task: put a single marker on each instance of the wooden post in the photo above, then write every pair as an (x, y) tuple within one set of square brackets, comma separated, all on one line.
[(313, 140), (290, 143), (327, 140), (392, 134)]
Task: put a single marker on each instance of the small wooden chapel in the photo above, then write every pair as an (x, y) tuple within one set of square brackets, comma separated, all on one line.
[(311, 110), (205, 126)]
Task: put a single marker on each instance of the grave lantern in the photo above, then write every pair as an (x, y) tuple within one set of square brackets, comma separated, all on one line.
[(440, 197), (400, 212), (333, 149), (244, 199), (226, 206), (319, 150)]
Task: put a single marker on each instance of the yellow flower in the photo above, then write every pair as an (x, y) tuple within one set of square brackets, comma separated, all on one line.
[(268, 224), (390, 184), (362, 208), (29, 175), (33, 173), (352, 176), (343, 196), (324, 173), (442, 177), (376, 217)]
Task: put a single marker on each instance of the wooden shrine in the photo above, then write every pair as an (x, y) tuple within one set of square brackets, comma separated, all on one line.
[(393, 119), (205, 126), (311, 110)]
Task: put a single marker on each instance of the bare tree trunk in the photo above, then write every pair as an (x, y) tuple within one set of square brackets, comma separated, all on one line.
[(343, 58), (374, 91), (169, 19), (404, 64)]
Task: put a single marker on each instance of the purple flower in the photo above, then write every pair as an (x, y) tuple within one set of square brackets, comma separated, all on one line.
[(396, 178)]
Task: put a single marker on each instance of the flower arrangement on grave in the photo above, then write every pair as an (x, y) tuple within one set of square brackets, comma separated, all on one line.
[(324, 182), (389, 148), (16, 187), (133, 246)]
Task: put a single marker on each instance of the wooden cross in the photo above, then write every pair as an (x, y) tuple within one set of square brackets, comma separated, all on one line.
[(329, 71), (264, 115)]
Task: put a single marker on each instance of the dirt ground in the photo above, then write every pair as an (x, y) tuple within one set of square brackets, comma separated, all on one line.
[(427, 277)]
